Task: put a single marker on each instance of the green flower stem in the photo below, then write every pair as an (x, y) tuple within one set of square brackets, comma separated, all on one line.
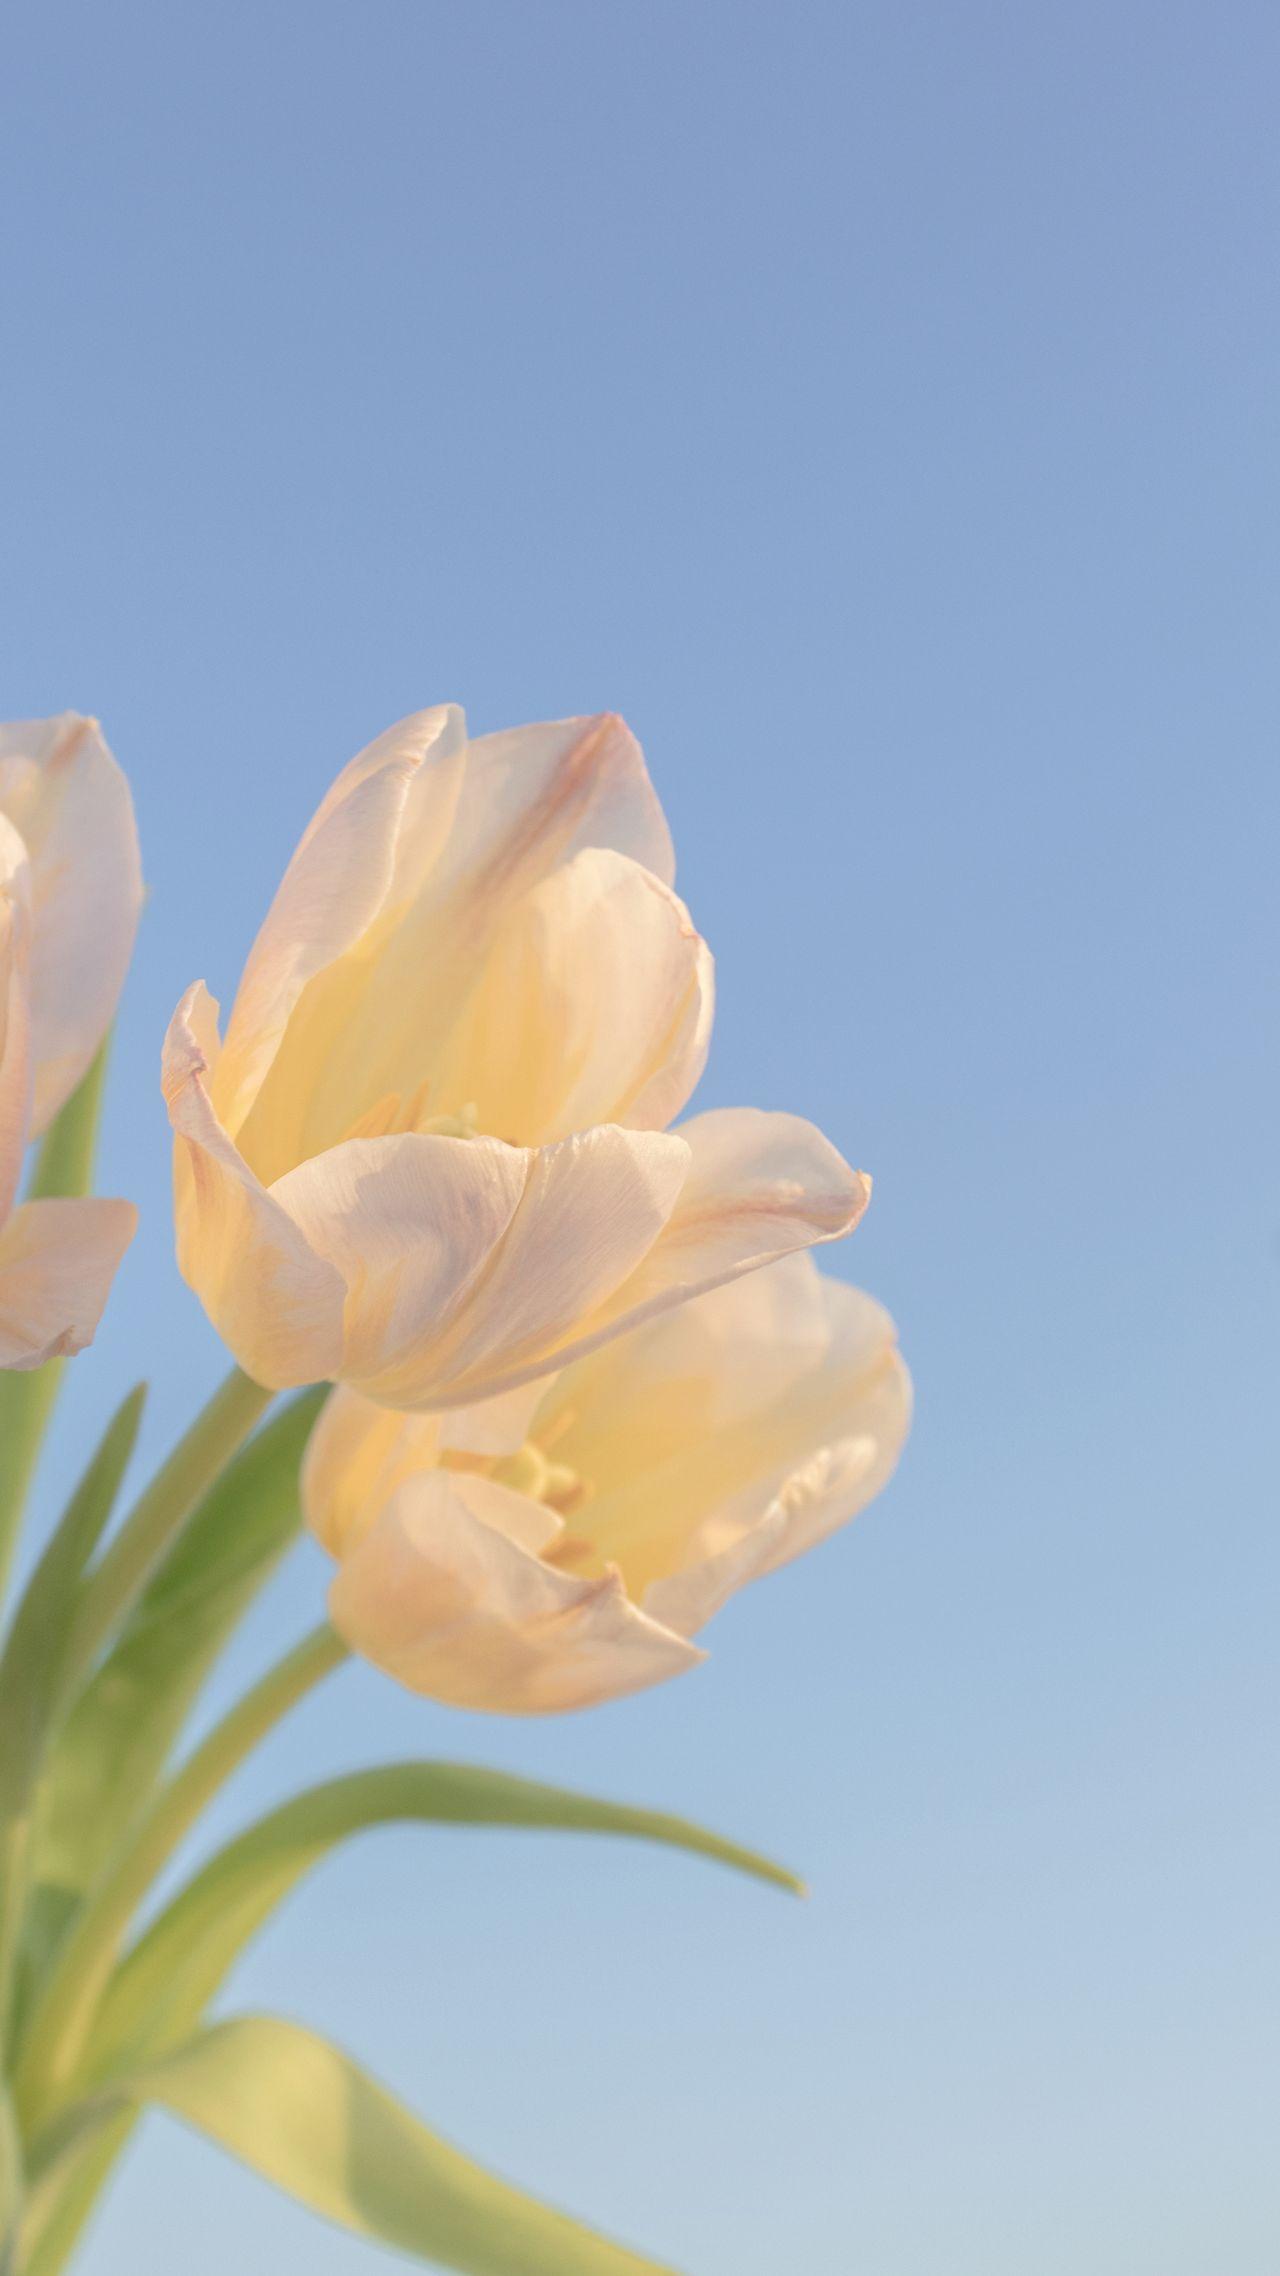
[(11, 2186), (26, 1403), (64, 1165), (115, 1584), (60, 2027), (63, 1169), (15, 1854)]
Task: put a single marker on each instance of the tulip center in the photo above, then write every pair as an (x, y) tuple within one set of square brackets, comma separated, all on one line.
[(555, 1484)]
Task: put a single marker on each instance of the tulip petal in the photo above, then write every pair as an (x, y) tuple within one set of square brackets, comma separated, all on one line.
[(61, 787), (457, 1610), (411, 1224), (537, 795), (359, 1454), (594, 1005), (691, 1426), (684, 1601), (824, 1493), (355, 1458), (422, 889), (493, 1426), (274, 1300), (395, 797), (591, 1209), (840, 1479), (57, 1262), (15, 1011), (660, 1399), (759, 1186), (529, 1524), (831, 1444)]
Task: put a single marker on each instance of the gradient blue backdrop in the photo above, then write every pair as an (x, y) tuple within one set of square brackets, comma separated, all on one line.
[(876, 403)]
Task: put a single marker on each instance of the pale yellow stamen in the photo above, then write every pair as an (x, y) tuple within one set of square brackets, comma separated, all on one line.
[(572, 1553), (565, 1491), (528, 1472), (463, 1124)]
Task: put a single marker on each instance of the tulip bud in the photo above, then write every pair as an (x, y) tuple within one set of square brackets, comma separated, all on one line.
[(430, 1159)]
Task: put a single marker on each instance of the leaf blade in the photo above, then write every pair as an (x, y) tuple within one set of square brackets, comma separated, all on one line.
[(301, 2113), (163, 1986), (33, 1684), (123, 1727)]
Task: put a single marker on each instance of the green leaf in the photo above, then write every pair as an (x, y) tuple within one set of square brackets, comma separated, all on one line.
[(302, 2114), (124, 1725), (162, 1988)]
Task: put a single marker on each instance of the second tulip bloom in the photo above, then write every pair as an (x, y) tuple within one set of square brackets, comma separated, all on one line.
[(566, 1544)]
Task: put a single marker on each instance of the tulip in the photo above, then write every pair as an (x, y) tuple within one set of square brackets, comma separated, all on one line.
[(563, 1546), (70, 894), (431, 1159), (69, 802)]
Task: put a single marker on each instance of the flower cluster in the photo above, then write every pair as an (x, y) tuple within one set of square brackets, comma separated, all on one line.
[(588, 1380)]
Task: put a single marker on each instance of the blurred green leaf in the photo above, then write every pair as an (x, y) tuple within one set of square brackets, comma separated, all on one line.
[(163, 1987), (32, 1668), (302, 2114)]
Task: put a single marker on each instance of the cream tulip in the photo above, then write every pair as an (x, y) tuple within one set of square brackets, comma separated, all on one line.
[(430, 1158), (57, 1258), (563, 1547)]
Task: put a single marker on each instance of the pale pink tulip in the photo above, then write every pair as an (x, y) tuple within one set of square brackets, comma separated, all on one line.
[(430, 1158), (57, 1258), (562, 1546), (70, 804)]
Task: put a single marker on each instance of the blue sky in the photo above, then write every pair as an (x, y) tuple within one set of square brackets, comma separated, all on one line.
[(877, 405)]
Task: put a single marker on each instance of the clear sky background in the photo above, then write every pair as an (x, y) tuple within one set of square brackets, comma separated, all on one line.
[(876, 403)]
